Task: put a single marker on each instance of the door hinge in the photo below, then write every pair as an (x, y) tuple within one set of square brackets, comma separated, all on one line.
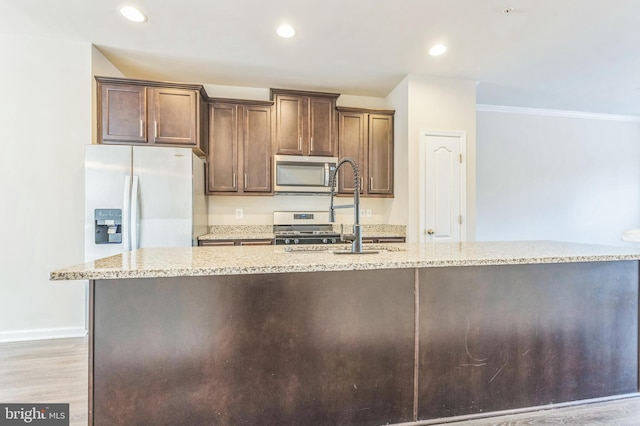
[(460, 158), (460, 219)]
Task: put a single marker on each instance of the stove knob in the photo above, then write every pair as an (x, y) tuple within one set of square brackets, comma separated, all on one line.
[(333, 240), (324, 241), (296, 241), (286, 241)]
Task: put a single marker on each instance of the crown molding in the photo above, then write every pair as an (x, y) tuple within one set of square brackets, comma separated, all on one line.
[(557, 113)]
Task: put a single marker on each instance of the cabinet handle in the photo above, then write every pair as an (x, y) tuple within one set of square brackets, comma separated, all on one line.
[(371, 183), (245, 181), (361, 183), (234, 181), (155, 129), (141, 129), (300, 143)]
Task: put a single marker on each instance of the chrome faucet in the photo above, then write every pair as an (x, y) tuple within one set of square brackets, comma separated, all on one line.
[(356, 236)]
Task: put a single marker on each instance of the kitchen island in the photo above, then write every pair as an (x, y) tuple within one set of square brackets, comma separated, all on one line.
[(417, 332)]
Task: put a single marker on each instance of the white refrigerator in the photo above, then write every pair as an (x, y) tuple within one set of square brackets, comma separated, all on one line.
[(138, 197)]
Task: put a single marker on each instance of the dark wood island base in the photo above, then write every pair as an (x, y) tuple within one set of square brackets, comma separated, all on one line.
[(360, 347)]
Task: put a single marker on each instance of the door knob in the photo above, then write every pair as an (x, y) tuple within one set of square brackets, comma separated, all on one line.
[(430, 231)]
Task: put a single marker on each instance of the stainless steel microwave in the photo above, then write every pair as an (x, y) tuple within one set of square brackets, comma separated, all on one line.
[(297, 174)]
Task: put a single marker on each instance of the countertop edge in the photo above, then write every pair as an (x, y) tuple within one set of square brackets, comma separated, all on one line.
[(331, 267), (271, 236)]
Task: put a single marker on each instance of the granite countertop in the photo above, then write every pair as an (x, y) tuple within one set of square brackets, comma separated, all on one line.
[(265, 232), (238, 236), (199, 261)]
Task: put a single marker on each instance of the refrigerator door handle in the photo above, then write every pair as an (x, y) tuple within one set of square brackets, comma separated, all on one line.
[(134, 213), (126, 214)]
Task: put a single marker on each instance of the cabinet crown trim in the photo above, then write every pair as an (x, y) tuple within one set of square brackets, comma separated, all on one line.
[(247, 102), (274, 92), (151, 83), (365, 110)]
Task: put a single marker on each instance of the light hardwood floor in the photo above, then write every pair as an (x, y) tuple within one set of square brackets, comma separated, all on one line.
[(55, 371), (46, 371)]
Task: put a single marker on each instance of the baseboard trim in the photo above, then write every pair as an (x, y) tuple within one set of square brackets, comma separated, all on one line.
[(495, 415), (42, 334)]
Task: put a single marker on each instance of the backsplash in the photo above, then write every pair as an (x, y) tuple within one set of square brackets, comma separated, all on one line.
[(385, 229), (241, 229), (241, 210)]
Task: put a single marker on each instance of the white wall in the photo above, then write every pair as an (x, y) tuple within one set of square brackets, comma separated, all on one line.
[(556, 176), (45, 120), (262, 94), (432, 104), (399, 99)]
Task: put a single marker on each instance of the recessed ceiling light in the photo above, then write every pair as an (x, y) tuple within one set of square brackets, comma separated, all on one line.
[(132, 14), (286, 31), (507, 10), (437, 50)]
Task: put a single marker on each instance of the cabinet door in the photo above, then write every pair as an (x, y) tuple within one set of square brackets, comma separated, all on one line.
[(222, 158), (290, 112), (175, 117), (257, 149), (123, 117), (322, 127), (351, 141), (380, 157)]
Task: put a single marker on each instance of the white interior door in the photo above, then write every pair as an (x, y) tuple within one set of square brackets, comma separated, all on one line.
[(442, 186)]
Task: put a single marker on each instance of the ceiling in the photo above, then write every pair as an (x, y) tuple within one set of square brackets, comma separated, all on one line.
[(578, 55)]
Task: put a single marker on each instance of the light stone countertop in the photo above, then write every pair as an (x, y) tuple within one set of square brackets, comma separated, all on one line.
[(265, 232), (236, 260), (271, 236), (238, 236)]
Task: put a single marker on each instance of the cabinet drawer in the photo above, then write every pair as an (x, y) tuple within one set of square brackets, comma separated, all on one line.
[(255, 243), (391, 240), (216, 243)]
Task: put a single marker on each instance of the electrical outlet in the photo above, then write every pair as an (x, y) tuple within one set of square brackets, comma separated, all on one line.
[(239, 213), (368, 213)]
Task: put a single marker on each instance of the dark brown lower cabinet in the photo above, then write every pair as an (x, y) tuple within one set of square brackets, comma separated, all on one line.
[(339, 348), (382, 240)]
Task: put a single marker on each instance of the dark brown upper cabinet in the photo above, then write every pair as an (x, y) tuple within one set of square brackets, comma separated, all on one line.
[(239, 159), (366, 136), (151, 113), (304, 123)]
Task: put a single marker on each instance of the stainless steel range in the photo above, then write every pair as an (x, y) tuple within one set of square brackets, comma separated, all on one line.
[(311, 227)]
